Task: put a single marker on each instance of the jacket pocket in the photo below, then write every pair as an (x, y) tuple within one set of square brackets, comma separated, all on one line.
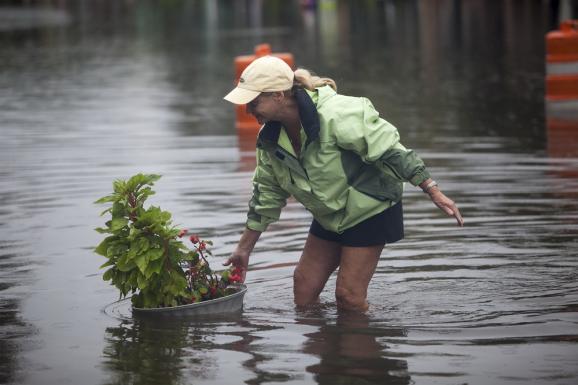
[(370, 180), (375, 183)]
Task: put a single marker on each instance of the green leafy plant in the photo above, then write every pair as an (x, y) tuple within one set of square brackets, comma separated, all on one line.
[(146, 255)]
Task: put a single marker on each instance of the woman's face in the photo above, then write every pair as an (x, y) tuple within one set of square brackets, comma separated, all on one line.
[(264, 107)]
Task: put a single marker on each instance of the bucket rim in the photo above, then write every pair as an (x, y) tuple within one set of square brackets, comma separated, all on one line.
[(241, 292)]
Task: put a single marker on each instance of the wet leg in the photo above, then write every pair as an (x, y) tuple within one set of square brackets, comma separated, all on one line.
[(320, 258), (356, 268)]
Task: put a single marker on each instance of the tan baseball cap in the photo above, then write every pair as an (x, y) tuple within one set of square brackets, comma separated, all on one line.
[(265, 74)]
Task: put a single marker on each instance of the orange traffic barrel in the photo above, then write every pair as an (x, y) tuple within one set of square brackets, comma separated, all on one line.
[(562, 138), (245, 122), (562, 90), (562, 65)]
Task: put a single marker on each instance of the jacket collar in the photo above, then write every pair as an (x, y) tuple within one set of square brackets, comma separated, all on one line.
[(307, 114)]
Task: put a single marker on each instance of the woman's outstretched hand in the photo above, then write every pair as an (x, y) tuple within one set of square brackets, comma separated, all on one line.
[(240, 260), (240, 257), (446, 205)]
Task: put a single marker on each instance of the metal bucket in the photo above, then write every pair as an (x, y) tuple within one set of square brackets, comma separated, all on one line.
[(229, 304)]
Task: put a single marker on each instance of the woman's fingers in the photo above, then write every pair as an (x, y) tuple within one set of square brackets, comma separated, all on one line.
[(448, 206), (453, 211), (458, 216)]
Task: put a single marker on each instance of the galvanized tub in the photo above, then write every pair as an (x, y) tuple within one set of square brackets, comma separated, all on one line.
[(229, 304)]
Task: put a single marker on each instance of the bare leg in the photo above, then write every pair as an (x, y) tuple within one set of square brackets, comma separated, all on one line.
[(355, 271), (320, 258)]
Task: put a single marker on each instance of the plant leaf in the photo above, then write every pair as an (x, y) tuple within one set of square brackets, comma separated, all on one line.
[(106, 264), (142, 262), (102, 247), (108, 198), (155, 254), (118, 210), (118, 223), (154, 267), (142, 281), (108, 274), (106, 211)]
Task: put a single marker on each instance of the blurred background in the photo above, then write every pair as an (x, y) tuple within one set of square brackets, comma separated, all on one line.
[(426, 54), (94, 90)]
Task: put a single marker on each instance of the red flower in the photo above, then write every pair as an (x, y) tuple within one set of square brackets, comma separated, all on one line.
[(235, 278), (202, 246), (194, 238), (182, 233)]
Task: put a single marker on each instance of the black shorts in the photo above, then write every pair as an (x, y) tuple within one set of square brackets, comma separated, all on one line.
[(385, 227)]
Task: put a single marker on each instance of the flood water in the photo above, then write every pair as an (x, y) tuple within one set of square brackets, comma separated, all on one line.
[(94, 91)]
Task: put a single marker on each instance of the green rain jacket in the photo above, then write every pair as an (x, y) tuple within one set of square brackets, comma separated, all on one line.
[(351, 165)]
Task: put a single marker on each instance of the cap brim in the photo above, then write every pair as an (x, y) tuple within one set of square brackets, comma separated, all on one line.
[(241, 96)]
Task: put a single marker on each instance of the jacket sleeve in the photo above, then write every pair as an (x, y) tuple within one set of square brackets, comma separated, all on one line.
[(268, 197), (359, 128)]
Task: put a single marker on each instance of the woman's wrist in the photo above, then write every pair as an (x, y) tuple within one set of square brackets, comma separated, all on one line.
[(429, 185)]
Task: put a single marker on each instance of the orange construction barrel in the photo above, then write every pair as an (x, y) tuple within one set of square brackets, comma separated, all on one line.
[(562, 90), (245, 122), (562, 138), (562, 64)]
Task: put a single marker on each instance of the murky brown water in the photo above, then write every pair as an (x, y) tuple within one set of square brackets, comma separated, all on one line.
[(93, 91)]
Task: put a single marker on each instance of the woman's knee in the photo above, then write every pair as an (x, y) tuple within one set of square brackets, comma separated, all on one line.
[(349, 299), (304, 282), (305, 289), (299, 278)]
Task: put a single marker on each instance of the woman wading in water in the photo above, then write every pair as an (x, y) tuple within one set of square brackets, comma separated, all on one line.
[(345, 164)]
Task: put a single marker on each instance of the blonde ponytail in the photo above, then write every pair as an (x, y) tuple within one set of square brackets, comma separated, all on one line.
[(304, 79)]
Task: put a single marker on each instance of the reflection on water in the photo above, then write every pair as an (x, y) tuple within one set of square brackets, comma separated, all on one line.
[(349, 351), (139, 353), (156, 351), (342, 347), (14, 270), (93, 91)]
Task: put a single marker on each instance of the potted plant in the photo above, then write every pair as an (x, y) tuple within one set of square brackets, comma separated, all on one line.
[(146, 257)]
